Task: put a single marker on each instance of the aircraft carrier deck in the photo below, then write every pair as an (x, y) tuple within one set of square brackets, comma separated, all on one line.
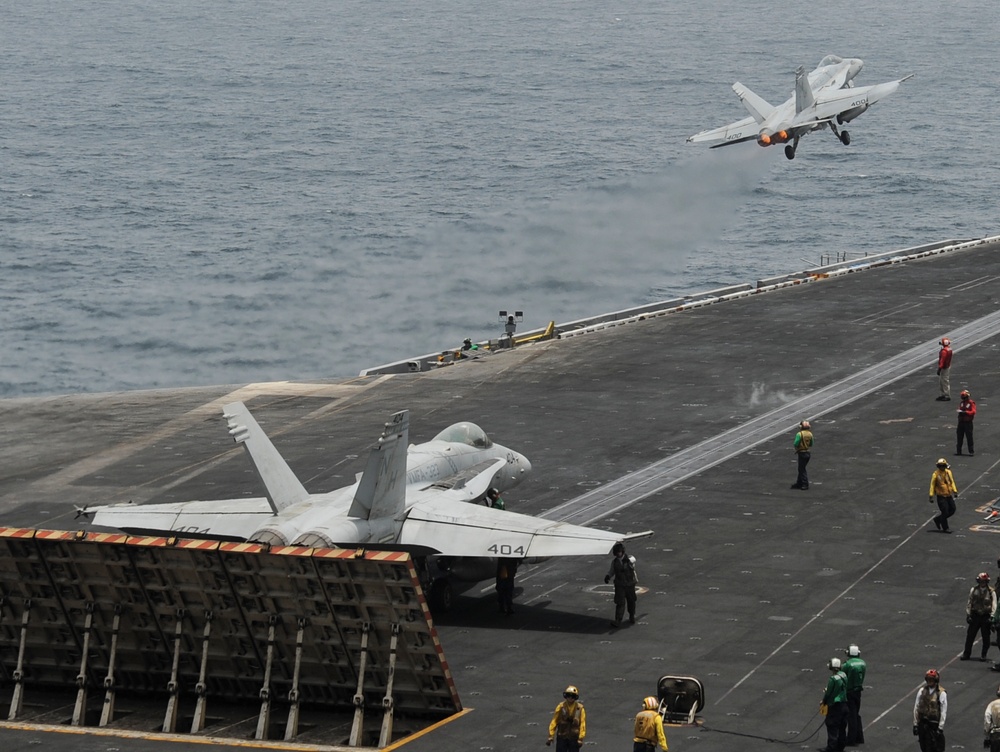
[(681, 424)]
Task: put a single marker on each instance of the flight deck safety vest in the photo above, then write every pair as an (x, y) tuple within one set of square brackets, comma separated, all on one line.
[(645, 727), (568, 724), (980, 601), (805, 441), (929, 704)]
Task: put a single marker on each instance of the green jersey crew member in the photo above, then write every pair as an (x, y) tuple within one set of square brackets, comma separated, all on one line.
[(569, 722), (803, 452), (835, 700)]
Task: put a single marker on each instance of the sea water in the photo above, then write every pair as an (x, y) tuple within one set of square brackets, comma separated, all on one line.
[(214, 192)]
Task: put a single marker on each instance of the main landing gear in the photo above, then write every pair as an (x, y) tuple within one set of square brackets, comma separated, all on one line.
[(844, 136), (790, 148)]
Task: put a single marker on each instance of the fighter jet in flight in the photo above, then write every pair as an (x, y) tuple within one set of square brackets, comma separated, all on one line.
[(423, 499), (825, 98)]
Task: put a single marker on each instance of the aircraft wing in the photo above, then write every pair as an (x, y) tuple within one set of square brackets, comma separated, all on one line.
[(228, 519), (858, 98), (741, 130), (453, 528)]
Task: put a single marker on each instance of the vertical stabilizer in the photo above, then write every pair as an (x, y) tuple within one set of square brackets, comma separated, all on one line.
[(282, 487), (382, 490), (804, 98)]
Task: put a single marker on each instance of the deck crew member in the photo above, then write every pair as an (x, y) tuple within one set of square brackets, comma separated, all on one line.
[(803, 452), (835, 700), (991, 725), (930, 709), (979, 612), (649, 727), (966, 414), (944, 370), (855, 669), (622, 571), (569, 722), (943, 489)]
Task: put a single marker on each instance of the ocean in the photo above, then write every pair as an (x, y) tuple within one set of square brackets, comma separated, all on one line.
[(214, 192)]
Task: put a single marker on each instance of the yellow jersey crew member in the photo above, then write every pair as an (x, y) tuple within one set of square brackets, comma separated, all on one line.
[(649, 727), (569, 722), (943, 489)]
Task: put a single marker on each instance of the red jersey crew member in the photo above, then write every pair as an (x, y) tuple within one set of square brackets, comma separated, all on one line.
[(649, 727), (966, 414), (944, 370), (569, 722), (943, 489)]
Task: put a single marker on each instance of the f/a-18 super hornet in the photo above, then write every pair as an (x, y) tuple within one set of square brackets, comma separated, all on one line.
[(420, 498), (825, 98)]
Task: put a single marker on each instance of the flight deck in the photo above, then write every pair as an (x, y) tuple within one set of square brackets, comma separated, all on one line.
[(679, 421)]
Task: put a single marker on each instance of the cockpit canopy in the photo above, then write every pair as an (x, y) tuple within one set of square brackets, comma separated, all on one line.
[(830, 60), (465, 433)]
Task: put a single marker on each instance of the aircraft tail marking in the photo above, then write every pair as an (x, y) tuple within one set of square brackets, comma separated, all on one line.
[(382, 489), (755, 104), (282, 487), (804, 98)]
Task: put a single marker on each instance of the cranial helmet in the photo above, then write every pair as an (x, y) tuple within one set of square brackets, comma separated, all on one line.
[(965, 394), (932, 675), (650, 703), (942, 462), (834, 664), (804, 425), (618, 548), (945, 342), (492, 493), (854, 651), (983, 577), (571, 691)]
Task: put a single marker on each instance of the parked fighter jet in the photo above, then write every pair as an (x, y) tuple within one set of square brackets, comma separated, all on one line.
[(415, 500), (826, 97)]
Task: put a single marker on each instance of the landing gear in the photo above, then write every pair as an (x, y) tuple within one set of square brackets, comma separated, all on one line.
[(441, 595), (790, 148), (844, 136)]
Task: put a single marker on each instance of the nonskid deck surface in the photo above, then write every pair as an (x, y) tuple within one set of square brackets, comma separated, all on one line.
[(748, 585)]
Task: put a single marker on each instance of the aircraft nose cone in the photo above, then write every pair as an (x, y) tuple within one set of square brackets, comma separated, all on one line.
[(523, 463)]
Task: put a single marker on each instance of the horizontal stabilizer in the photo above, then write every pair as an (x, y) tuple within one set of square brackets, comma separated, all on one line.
[(741, 130), (198, 519), (756, 106), (457, 529), (282, 487)]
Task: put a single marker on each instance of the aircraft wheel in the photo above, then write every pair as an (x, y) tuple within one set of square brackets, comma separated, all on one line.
[(790, 151), (845, 138), (441, 595)]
